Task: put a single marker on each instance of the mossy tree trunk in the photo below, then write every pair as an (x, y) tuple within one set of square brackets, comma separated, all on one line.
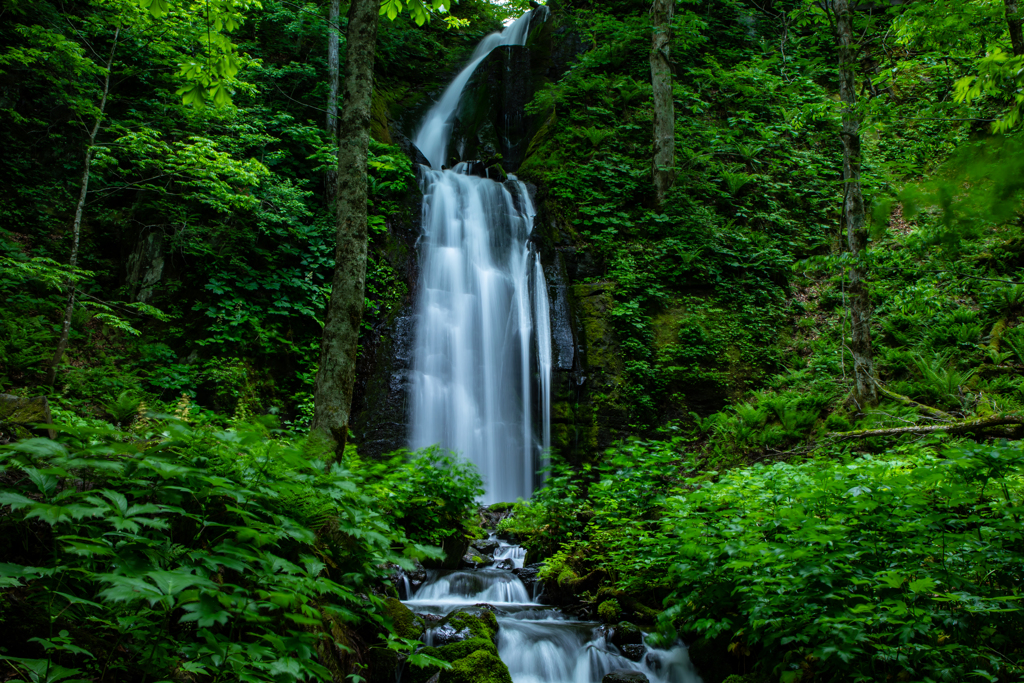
[(663, 164), (335, 378), (76, 224), (865, 389), (1015, 22)]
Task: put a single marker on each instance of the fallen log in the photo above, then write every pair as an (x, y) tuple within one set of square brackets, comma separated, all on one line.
[(927, 410), (950, 427)]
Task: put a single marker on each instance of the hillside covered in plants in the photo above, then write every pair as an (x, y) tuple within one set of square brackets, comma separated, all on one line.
[(775, 290)]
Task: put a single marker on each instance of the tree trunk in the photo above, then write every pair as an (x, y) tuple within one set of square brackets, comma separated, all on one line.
[(865, 389), (663, 164), (331, 125), (76, 225), (335, 379), (1013, 19)]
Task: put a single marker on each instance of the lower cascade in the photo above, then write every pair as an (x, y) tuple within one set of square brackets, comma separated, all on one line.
[(538, 643), (482, 355)]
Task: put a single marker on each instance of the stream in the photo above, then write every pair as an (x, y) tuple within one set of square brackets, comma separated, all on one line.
[(539, 643)]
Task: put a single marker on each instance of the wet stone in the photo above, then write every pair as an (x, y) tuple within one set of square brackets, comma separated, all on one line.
[(475, 561), (485, 547), (446, 634), (633, 652), (625, 633), (625, 676), (505, 564)]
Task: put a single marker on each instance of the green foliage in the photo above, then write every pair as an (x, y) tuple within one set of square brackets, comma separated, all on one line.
[(901, 566), (216, 553)]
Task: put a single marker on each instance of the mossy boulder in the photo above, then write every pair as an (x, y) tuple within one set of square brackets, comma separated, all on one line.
[(478, 624), (464, 648), (626, 633), (609, 610), (19, 415), (481, 666), (407, 625), (456, 653)]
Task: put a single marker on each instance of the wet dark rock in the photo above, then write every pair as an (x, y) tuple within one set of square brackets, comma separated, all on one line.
[(625, 676), (445, 634), (475, 561), (625, 633), (504, 564), (485, 547), (508, 537), (528, 574), (454, 549), (496, 611), (417, 156), (633, 652)]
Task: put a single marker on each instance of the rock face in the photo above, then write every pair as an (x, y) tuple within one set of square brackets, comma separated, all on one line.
[(18, 415)]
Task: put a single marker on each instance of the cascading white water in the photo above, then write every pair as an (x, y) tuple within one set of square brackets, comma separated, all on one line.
[(482, 298), (540, 644)]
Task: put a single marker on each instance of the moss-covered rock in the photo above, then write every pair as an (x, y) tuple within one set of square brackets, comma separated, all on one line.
[(626, 633), (609, 610), (406, 623), (482, 624), (18, 415), (479, 667), (464, 648)]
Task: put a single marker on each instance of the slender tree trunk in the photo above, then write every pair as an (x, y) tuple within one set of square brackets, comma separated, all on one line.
[(663, 164), (331, 125), (865, 389), (335, 379), (76, 225), (1014, 20)]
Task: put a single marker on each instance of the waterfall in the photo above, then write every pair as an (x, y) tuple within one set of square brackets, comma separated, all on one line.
[(483, 335)]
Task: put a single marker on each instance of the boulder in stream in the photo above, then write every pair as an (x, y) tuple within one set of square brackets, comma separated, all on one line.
[(473, 560), (625, 676), (625, 633), (485, 546), (528, 574), (633, 652), (479, 623), (480, 667)]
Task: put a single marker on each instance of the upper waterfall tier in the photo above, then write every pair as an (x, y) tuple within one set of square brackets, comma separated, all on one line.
[(435, 133)]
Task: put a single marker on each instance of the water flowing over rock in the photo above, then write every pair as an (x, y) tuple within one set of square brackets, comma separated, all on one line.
[(482, 354), (537, 643)]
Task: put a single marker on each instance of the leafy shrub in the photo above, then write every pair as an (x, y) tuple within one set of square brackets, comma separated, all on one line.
[(225, 555), (903, 568)]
